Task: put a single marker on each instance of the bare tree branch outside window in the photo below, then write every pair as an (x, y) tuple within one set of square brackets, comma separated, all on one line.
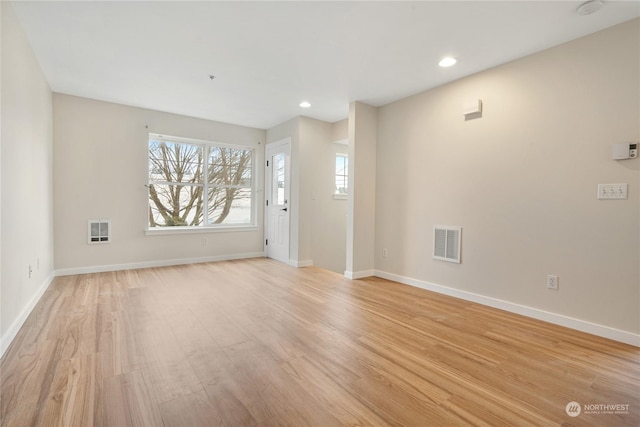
[(196, 184)]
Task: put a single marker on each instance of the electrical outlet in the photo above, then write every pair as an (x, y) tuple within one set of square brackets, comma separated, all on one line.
[(552, 282), (204, 242), (385, 252)]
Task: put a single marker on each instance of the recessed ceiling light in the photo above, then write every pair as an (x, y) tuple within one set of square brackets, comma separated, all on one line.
[(447, 61), (589, 7), (305, 104)]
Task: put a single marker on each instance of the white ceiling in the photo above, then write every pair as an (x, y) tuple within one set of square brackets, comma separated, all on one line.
[(268, 56)]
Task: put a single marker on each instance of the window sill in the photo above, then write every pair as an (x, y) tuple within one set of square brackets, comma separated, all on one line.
[(340, 196), (160, 231)]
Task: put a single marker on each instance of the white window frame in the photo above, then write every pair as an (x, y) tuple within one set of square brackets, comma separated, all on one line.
[(336, 195), (205, 227)]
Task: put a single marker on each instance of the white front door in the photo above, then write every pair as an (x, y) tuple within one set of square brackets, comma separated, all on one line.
[(277, 179)]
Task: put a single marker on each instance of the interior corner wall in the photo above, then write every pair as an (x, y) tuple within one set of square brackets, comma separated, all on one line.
[(317, 221), (100, 172), (26, 179), (361, 208), (340, 131), (307, 151), (522, 181), (325, 216)]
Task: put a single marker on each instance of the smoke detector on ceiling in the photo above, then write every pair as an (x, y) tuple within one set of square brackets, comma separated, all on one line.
[(592, 6)]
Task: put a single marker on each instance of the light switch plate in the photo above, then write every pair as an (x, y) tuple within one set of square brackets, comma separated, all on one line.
[(612, 191)]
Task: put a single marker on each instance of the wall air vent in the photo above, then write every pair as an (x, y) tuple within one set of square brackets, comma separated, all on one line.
[(99, 231), (446, 243)]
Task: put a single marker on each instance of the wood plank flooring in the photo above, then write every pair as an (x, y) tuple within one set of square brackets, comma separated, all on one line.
[(258, 343)]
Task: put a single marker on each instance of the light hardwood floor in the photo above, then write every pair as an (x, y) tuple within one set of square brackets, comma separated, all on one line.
[(255, 342)]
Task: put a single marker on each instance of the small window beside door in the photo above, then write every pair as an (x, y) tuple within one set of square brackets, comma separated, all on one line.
[(278, 184), (342, 177)]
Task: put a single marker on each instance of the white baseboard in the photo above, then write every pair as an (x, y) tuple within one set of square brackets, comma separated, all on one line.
[(354, 275), (557, 319), (307, 263), (148, 264), (11, 333)]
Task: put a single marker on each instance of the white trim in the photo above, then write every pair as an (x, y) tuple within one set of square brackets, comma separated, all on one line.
[(192, 141), (278, 143), (557, 319), (163, 231), (354, 275), (298, 264), (148, 264), (340, 196), (11, 333)]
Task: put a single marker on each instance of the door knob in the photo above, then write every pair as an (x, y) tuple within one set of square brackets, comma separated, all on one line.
[(285, 209)]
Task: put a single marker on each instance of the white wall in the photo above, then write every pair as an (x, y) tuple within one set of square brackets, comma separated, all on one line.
[(522, 181), (26, 168), (2, 340), (334, 213), (361, 208), (330, 238), (340, 131), (310, 137), (327, 215), (100, 171)]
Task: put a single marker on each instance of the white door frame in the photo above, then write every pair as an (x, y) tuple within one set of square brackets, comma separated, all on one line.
[(286, 144)]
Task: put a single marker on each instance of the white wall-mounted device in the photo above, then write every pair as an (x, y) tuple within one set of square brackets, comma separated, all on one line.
[(624, 150), (99, 231), (472, 107), (446, 243), (613, 191)]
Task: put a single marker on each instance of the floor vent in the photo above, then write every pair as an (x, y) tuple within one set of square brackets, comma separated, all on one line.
[(99, 231), (446, 243)]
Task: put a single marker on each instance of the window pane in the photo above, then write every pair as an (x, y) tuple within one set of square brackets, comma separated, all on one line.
[(341, 185), (230, 166), (175, 162), (340, 170), (342, 167), (175, 205), (278, 179), (231, 206)]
